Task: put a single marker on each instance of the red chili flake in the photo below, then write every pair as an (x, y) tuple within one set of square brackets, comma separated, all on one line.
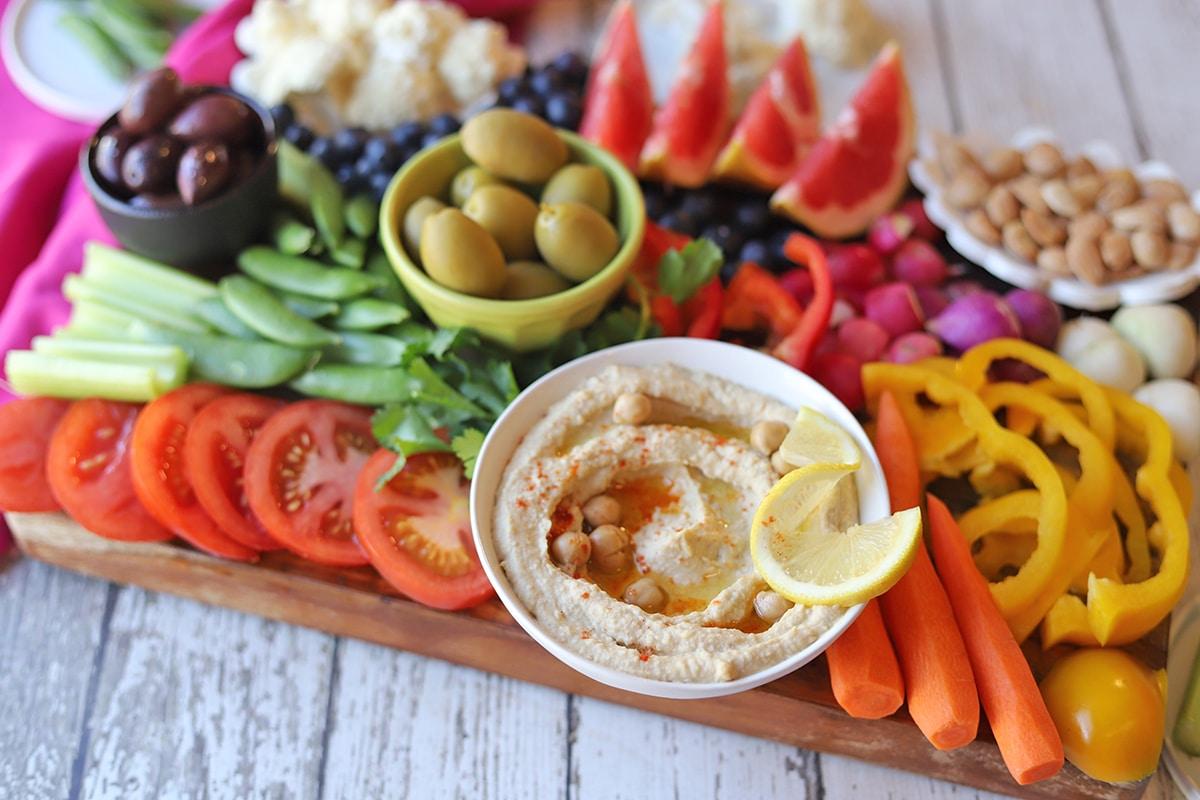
[(586, 595), (644, 653), (585, 634), (521, 503)]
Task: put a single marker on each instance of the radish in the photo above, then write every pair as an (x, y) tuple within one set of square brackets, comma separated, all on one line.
[(919, 263), (974, 319), (862, 338), (889, 232), (895, 307), (1040, 317), (854, 265), (912, 347)]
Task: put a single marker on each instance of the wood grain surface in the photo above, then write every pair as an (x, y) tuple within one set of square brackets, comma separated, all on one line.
[(74, 651)]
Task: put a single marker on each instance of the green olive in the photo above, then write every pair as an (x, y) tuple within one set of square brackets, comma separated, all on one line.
[(460, 255), (414, 219), (508, 215), (575, 239), (580, 183), (514, 145), (467, 181), (527, 279)]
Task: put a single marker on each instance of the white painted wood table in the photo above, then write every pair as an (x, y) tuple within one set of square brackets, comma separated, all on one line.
[(112, 692)]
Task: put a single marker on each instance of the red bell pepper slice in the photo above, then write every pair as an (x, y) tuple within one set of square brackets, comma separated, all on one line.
[(703, 311), (755, 297), (798, 345)]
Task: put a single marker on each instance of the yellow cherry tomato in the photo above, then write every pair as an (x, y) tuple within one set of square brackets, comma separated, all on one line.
[(1108, 708)]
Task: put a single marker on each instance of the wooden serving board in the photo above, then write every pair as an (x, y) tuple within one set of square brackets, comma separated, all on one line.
[(798, 709)]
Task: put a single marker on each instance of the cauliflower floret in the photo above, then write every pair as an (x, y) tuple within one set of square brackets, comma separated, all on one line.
[(302, 64), (344, 19), (269, 26), (477, 57), (389, 92), (412, 30)]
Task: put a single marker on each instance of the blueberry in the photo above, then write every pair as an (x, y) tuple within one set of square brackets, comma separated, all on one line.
[(431, 139), (564, 110), (283, 115), (758, 251), (572, 66), (529, 104), (510, 89), (407, 135), (298, 135), (546, 82), (680, 221), (322, 150), (443, 124), (728, 270), (349, 142), (345, 174), (778, 259), (725, 237), (365, 167), (656, 204), (378, 184), (752, 217), (700, 204)]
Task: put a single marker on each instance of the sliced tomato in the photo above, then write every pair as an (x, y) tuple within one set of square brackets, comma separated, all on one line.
[(159, 477), (26, 426), (618, 107), (88, 466), (214, 455), (690, 128), (300, 475), (417, 529)]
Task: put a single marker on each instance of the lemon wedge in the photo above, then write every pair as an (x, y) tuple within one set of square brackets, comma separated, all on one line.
[(813, 566), (816, 439)]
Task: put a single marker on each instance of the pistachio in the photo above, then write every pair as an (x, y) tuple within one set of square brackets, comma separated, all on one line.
[(1054, 261), (1079, 167), (967, 189), (1018, 241), (1045, 229), (1115, 251), (1044, 160), (1144, 215), (1028, 189), (1001, 205), (1060, 198), (1088, 225), (1003, 163), (1167, 190), (1150, 249), (979, 226), (1083, 258), (1184, 222), (1182, 255), (1086, 188)]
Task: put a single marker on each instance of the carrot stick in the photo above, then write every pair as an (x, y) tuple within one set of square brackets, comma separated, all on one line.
[(1028, 740), (863, 668), (942, 698)]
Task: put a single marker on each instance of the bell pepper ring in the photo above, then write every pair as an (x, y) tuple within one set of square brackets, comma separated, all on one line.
[(799, 344)]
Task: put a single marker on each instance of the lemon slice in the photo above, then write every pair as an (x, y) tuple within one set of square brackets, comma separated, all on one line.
[(811, 566), (816, 439)]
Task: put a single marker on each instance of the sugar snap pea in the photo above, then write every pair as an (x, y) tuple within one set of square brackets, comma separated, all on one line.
[(97, 42), (350, 253), (370, 349), (368, 314), (362, 216), (293, 166), (326, 203), (363, 385), (217, 314), (308, 307), (304, 275), (390, 287), (238, 362), (255, 305), (291, 236)]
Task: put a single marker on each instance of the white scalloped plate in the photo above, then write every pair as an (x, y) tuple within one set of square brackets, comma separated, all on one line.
[(1157, 287)]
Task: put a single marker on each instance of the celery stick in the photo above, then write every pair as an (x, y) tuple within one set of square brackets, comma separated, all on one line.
[(99, 322), (32, 373), (168, 361), (78, 289), (1187, 724), (120, 269)]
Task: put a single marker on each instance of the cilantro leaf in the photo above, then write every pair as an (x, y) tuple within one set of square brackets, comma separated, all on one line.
[(466, 446), (682, 272)]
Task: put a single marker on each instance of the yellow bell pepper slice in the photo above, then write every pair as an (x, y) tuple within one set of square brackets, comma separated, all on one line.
[(1067, 622)]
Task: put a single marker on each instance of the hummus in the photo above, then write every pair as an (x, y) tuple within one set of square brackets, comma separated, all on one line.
[(687, 482)]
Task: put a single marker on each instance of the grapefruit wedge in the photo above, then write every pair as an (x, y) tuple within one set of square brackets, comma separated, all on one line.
[(618, 107), (777, 128), (689, 129), (858, 169)]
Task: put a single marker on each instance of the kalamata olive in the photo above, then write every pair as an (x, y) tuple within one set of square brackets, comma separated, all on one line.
[(414, 218), (508, 215), (215, 117), (108, 155), (575, 239), (153, 99), (581, 183), (204, 170), (459, 254), (514, 145), (149, 165), (524, 280)]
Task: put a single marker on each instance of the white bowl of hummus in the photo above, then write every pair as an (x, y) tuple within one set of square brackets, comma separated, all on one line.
[(616, 530)]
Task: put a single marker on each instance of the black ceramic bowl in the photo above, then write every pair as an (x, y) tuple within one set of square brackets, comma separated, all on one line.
[(202, 238)]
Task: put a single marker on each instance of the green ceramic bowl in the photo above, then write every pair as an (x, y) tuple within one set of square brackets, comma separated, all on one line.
[(518, 324)]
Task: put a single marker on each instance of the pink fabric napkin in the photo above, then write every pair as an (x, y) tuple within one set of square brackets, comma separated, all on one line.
[(46, 215)]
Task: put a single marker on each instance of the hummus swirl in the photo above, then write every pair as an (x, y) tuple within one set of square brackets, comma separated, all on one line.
[(696, 540)]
